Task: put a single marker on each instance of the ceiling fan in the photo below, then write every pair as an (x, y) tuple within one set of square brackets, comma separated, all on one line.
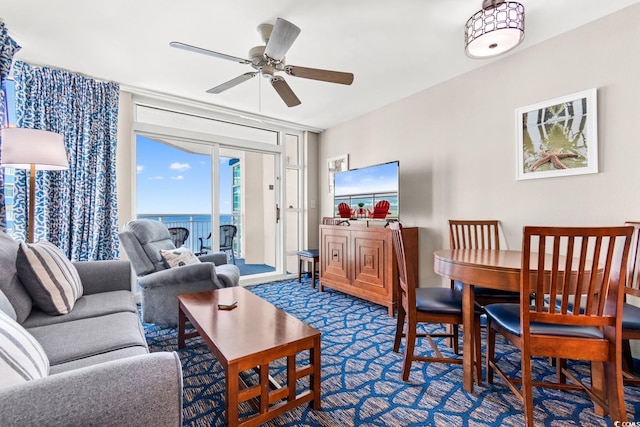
[(269, 59)]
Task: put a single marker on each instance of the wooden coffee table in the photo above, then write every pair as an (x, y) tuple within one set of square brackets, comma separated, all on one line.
[(251, 336)]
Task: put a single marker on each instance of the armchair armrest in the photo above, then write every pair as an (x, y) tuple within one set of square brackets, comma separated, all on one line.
[(140, 390), (104, 276), (219, 258), (177, 276)]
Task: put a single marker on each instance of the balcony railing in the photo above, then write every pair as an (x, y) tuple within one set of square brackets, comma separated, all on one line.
[(199, 226)]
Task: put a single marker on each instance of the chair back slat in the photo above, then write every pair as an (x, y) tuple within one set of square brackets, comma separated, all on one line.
[(407, 280), (474, 234), (583, 268)]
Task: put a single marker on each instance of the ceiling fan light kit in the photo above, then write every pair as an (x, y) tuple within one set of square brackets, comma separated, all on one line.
[(269, 59), (494, 30)]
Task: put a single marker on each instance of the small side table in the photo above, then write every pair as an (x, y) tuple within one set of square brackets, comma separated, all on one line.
[(312, 256)]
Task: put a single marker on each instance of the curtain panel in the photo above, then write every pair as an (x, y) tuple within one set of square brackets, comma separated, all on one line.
[(75, 209), (8, 48)]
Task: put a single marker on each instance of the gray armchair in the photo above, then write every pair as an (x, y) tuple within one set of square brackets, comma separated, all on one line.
[(160, 286)]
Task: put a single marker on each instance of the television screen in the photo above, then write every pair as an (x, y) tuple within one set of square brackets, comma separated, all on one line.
[(365, 188)]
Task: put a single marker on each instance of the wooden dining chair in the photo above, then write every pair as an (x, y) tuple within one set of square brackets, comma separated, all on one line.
[(576, 328), (425, 305), (479, 234), (631, 312)]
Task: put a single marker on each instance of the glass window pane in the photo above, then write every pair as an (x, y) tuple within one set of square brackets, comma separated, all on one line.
[(292, 264), (292, 222), (291, 192), (174, 187), (291, 146)]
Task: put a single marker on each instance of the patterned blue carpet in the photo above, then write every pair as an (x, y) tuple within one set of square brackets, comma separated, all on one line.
[(361, 383)]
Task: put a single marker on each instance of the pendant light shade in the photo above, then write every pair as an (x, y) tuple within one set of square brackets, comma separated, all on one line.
[(496, 29)]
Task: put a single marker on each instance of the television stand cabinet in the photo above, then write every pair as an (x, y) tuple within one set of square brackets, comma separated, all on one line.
[(360, 261)]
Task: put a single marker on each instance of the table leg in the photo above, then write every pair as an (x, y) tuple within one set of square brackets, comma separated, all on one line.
[(468, 320), (181, 326), (314, 382), (231, 394)]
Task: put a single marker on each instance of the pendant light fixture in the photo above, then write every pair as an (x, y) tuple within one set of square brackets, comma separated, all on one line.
[(496, 29)]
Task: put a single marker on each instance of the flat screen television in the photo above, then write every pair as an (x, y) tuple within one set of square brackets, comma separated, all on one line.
[(361, 189)]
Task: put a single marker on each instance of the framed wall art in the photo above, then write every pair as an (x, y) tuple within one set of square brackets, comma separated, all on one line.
[(336, 164), (558, 137)]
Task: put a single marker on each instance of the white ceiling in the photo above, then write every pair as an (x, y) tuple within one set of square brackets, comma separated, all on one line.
[(394, 48)]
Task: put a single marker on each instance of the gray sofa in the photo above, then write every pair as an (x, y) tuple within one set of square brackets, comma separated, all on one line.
[(101, 371), (160, 286)]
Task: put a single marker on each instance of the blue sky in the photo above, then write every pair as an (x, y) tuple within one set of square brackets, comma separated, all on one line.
[(374, 179), (172, 181)]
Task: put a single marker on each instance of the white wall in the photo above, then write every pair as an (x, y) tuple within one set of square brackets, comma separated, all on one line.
[(456, 141)]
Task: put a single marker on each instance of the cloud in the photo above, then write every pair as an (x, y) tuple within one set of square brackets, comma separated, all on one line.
[(155, 178), (139, 168), (177, 166), (178, 177)]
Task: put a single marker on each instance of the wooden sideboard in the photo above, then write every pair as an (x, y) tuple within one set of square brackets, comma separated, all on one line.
[(360, 261)]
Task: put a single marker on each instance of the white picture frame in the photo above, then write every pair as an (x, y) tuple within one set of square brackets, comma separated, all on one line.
[(558, 137), (336, 164)]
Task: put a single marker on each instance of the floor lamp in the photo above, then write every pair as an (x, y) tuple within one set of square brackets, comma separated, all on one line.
[(34, 150)]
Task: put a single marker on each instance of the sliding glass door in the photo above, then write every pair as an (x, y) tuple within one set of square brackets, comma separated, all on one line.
[(248, 198), (204, 187)]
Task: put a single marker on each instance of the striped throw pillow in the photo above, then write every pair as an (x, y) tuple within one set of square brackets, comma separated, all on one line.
[(22, 358), (50, 278), (178, 257)]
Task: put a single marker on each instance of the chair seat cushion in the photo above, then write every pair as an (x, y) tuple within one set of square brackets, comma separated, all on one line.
[(630, 312), (309, 253), (439, 300), (507, 316), (481, 292), (631, 317)]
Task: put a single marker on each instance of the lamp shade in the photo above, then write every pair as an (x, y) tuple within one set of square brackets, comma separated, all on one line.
[(22, 148), (496, 29)]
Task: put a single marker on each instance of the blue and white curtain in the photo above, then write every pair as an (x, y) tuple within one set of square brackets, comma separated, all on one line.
[(75, 209), (8, 48)]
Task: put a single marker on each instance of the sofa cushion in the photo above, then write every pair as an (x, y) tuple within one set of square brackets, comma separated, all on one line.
[(10, 283), (86, 306), (67, 341), (98, 358), (178, 257), (49, 276), (6, 307), (22, 358)]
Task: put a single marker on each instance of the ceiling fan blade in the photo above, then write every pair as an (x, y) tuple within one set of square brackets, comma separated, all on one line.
[(282, 37), (317, 74), (233, 82), (196, 49), (285, 92)]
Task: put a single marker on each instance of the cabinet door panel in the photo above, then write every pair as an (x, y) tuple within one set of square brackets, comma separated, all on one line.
[(335, 256), (369, 266)]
